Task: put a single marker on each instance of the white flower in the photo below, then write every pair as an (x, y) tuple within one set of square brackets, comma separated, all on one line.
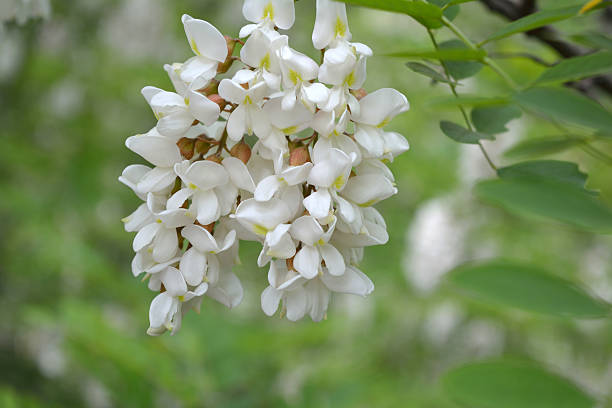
[(248, 116), (315, 247), (331, 24), (377, 109), (158, 150), (176, 114), (298, 70), (332, 133), (160, 236), (261, 51), (204, 183), (209, 46), (283, 122), (280, 13), (262, 217)]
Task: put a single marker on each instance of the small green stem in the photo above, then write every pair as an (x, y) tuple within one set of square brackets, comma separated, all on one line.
[(453, 88)]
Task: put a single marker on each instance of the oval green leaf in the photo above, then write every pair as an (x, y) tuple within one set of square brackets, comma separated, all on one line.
[(549, 199), (543, 146), (535, 20), (426, 70), (509, 284), (577, 68), (565, 105), (561, 171), (425, 13), (493, 119), (512, 384), (461, 69), (462, 135)]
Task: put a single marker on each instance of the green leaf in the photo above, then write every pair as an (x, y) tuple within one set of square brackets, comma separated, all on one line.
[(427, 14), (594, 39), (453, 2), (510, 284), (423, 69), (536, 197), (448, 54), (493, 119), (565, 105), (467, 100), (462, 135), (543, 146), (577, 68), (460, 69), (561, 171), (512, 384), (451, 10), (535, 20)]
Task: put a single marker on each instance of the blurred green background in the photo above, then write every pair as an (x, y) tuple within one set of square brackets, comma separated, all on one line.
[(73, 319)]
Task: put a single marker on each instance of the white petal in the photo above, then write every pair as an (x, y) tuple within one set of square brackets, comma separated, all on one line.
[(332, 170), (284, 13), (267, 188), (165, 244), (138, 219), (161, 310), (270, 298), (368, 189), (198, 68), (207, 207), (145, 236), (371, 139), (307, 262), (174, 282), (200, 238), (333, 259), (318, 203), (156, 180), (260, 217), (203, 109), (316, 93), (132, 175), (296, 303), (178, 199), (239, 174), (330, 23), (380, 106), (157, 150), (228, 290), (307, 230), (205, 39), (353, 281), (247, 30), (232, 91), (237, 123), (318, 299), (175, 124), (297, 174), (176, 218), (204, 174), (193, 266), (395, 143)]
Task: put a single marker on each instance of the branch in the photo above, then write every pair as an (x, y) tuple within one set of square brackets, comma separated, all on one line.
[(513, 10)]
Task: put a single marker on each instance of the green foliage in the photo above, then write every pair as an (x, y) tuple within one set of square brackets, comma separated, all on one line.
[(457, 53), (565, 105), (533, 21), (462, 135), (577, 68), (426, 70), (564, 172), (510, 284), (425, 13), (533, 196), (460, 69), (512, 384), (493, 119), (543, 146)]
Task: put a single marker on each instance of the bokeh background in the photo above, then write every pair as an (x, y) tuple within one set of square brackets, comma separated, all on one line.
[(73, 319)]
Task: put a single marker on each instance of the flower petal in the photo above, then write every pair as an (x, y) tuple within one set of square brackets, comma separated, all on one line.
[(353, 281), (307, 262), (157, 150), (318, 203), (239, 174), (145, 236), (307, 230), (207, 207), (193, 266), (200, 238), (205, 39), (165, 244), (174, 282), (333, 259), (228, 290), (270, 299)]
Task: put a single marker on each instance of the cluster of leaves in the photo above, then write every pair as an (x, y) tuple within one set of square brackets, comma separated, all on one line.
[(537, 189)]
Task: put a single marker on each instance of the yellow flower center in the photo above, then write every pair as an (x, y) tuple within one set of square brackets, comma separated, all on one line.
[(340, 28), (268, 11)]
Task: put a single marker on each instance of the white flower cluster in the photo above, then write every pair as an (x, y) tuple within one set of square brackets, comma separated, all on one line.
[(305, 188)]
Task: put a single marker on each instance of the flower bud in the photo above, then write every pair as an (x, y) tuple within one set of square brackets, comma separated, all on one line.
[(215, 158), (201, 146), (218, 100), (360, 93), (241, 151), (186, 147), (226, 65), (299, 156)]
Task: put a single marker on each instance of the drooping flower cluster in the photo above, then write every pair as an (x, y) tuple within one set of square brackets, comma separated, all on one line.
[(266, 146)]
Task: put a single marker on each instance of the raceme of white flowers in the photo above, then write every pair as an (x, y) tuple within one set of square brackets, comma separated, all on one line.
[(303, 186)]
